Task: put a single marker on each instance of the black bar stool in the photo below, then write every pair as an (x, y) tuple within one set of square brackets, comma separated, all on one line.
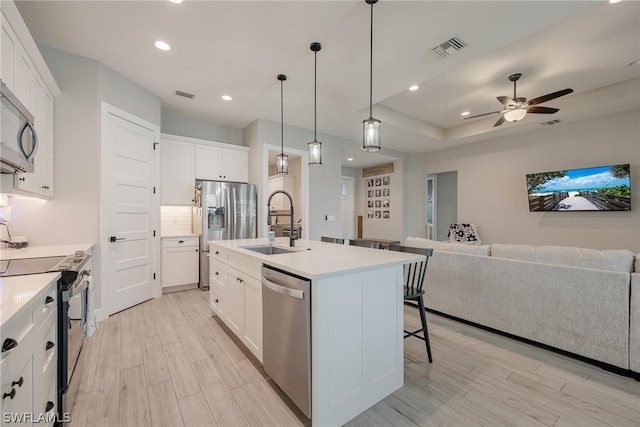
[(414, 274)]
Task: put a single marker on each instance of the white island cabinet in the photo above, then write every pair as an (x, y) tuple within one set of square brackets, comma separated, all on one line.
[(356, 316)]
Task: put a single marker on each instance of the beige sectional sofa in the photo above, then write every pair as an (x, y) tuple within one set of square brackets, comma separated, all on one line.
[(573, 299)]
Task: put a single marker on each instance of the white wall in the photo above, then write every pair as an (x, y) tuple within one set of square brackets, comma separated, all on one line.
[(176, 123), (492, 191), (390, 228), (73, 215)]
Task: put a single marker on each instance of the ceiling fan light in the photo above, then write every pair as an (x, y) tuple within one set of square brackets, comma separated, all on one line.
[(371, 135), (515, 115)]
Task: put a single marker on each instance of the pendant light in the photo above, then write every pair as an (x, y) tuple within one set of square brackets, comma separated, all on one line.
[(315, 146), (282, 160), (371, 126)]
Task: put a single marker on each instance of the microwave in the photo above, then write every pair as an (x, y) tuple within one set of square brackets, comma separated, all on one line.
[(18, 138)]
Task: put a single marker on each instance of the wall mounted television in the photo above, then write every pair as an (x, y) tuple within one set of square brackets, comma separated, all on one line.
[(601, 188)]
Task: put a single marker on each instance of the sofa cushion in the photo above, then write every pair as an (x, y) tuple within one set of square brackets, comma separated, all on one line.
[(607, 259), (419, 242)]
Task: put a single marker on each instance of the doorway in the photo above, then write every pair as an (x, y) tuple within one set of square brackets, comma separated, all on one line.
[(295, 183), (441, 204), (347, 206)]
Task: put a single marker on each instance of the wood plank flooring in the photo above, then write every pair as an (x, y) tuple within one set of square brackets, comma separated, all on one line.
[(168, 362)]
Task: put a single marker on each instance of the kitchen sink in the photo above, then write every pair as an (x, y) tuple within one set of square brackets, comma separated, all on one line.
[(269, 250)]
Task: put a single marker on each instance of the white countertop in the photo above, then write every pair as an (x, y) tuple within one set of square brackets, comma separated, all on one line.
[(316, 260), (44, 251), (175, 236), (17, 291)]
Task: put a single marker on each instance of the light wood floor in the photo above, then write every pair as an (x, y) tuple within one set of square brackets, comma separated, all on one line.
[(168, 362)]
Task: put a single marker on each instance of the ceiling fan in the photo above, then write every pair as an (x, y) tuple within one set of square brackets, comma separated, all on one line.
[(517, 107)]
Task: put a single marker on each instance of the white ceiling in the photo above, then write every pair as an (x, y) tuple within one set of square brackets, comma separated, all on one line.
[(238, 48)]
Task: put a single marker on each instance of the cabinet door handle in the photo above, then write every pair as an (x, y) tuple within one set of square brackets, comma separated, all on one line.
[(49, 406), (49, 345), (197, 250), (10, 395), (9, 344), (180, 241), (18, 383), (217, 253), (48, 300), (21, 179), (216, 300)]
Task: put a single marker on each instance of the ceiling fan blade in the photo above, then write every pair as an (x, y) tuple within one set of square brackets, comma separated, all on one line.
[(499, 122), (506, 101), (550, 96), (542, 110), (480, 115)]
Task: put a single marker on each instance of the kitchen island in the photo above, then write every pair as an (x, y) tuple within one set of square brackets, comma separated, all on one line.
[(356, 316)]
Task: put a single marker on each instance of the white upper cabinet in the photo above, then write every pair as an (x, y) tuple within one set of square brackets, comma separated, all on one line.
[(184, 159), (221, 164), (26, 74), (177, 172)]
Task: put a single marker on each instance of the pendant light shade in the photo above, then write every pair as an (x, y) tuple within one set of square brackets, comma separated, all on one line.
[(371, 126), (282, 160), (315, 146)]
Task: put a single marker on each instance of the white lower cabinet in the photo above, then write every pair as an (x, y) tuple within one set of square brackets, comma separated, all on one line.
[(28, 363), (235, 294), (180, 261)]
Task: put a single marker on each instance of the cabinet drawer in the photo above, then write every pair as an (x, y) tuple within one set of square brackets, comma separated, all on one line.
[(176, 242), (46, 305), (46, 346), (19, 330), (216, 253)]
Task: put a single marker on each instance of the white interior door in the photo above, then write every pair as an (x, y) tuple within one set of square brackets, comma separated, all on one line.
[(347, 204), (130, 223)]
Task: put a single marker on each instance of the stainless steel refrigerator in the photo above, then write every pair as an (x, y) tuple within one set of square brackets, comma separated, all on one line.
[(222, 211)]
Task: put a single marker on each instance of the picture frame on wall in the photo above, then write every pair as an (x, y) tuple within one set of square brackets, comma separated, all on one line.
[(378, 192), (385, 203), (370, 193), (369, 183), (370, 203), (378, 203), (385, 214), (378, 182), (386, 180), (386, 192), (378, 214), (370, 214)]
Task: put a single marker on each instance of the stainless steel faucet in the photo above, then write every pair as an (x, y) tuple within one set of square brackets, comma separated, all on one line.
[(293, 233)]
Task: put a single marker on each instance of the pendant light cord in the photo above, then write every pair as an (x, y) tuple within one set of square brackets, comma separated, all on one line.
[(315, 94), (281, 118), (371, 68)]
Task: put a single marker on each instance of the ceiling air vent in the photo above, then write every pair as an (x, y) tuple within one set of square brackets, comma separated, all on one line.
[(551, 122), (449, 47), (185, 94)]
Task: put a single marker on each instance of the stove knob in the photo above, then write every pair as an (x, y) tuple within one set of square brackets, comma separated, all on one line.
[(79, 254), (64, 266)]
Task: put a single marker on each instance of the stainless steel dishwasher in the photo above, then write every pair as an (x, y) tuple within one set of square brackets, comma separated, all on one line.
[(286, 330)]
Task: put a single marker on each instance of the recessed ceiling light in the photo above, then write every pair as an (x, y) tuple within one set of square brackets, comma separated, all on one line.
[(349, 159), (227, 97), (465, 113), (176, 1), (162, 45), (414, 87), (614, 1)]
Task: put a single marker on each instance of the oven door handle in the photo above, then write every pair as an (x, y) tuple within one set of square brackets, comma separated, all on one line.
[(80, 286)]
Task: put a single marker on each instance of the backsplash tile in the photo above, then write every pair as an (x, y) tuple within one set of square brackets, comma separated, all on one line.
[(175, 220)]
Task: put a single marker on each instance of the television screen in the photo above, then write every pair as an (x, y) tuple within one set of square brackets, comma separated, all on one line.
[(602, 188)]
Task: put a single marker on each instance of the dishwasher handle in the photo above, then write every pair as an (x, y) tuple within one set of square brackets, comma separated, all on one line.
[(282, 290)]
